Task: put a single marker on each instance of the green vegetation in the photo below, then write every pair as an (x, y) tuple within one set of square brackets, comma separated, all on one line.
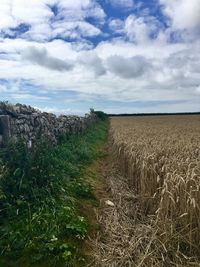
[(39, 192), (100, 114)]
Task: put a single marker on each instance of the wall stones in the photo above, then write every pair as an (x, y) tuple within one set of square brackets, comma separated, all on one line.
[(4, 128), (26, 123)]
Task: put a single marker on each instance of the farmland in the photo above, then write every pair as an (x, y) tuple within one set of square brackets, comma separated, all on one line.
[(160, 158), (129, 200)]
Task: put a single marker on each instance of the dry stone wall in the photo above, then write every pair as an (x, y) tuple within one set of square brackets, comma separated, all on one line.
[(26, 123)]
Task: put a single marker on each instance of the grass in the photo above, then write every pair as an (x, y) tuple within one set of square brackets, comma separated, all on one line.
[(39, 194)]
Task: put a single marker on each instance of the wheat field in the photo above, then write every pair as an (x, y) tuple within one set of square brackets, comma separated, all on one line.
[(160, 157)]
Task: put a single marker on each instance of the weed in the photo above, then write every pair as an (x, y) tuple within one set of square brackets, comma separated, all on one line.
[(39, 189)]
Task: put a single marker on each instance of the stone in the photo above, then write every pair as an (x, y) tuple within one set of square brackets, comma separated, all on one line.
[(21, 121), (109, 203)]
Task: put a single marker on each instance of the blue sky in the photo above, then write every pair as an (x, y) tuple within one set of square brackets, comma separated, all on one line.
[(66, 56)]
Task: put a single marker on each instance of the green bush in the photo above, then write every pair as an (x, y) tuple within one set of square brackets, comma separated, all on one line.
[(100, 114)]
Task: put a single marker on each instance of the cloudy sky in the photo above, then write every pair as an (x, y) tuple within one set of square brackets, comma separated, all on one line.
[(65, 56)]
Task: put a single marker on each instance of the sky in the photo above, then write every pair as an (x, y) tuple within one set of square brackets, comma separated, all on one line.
[(119, 56)]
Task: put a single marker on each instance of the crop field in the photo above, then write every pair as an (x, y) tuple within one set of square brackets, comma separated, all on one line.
[(160, 157)]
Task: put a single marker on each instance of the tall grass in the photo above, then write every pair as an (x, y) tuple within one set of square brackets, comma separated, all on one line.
[(39, 189)]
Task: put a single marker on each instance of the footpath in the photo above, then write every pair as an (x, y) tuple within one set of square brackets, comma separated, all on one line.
[(112, 238)]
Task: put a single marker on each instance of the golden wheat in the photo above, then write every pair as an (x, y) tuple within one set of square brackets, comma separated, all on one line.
[(161, 158)]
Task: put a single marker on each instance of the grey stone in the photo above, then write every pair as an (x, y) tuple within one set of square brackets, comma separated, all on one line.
[(21, 121)]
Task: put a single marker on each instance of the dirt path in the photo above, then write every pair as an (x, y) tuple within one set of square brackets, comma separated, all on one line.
[(123, 237)]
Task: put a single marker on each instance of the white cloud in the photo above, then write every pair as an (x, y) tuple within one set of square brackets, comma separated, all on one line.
[(3, 88), (116, 25), (55, 110), (26, 96), (183, 19), (143, 65), (39, 32), (141, 29), (184, 14), (44, 24), (198, 89), (30, 12), (81, 9), (6, 20), (60, 111), (132, 77), (86, 29)]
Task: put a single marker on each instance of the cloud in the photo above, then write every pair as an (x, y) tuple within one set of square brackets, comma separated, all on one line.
[(26, 96), (128, 68), (140, 72), (73, 30), (92, 61), (79, 9), (116, 25), (7, 21), (41, 57), (55, 110), (44, 23), (183, 18), (184, 14), (30, 12), (128, 57), (3, 88), (141, 29), (198, 89)]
